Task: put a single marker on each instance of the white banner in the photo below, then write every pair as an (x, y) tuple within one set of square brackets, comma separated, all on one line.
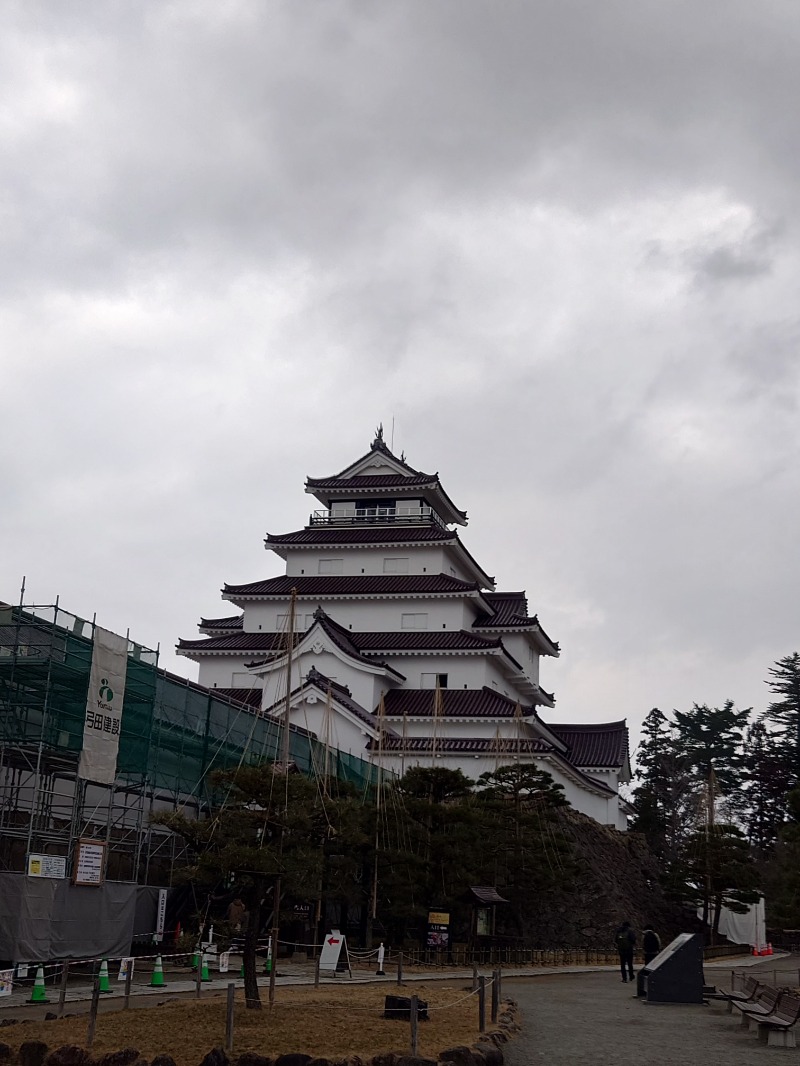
[(6, 982), (161, 915), (102, 725)]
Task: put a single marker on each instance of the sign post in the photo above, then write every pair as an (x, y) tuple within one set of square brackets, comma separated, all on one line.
[(332, 947)]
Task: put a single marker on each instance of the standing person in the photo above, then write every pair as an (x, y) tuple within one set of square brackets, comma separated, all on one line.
[(625, 939), (651, 943)]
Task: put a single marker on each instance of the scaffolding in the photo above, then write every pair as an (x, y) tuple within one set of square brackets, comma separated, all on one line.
[(174, 733)]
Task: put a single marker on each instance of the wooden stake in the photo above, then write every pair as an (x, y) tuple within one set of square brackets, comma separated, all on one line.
[(128, 979), (414, 1024), (229, 1018), (481, 1004), (62, 995), (495, 994), (400, 968), (93, 1013)]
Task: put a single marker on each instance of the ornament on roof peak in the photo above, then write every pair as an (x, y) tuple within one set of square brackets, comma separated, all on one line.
[(379, 444), (319, 614)]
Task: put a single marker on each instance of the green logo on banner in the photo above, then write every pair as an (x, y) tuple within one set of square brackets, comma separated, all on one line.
[(106, 692)]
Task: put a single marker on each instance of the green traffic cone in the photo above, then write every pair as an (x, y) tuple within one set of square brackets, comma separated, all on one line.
[(241, 971), (204, 974), (268, 965), (157, 980), (38, 994), (105, 984)]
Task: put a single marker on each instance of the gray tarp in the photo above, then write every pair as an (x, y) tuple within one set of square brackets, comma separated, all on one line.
[(44, 918)]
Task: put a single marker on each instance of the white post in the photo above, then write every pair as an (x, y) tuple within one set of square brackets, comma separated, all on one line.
[(381, 953)]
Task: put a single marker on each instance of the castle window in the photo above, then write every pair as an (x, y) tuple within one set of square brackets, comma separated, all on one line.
[(413, 621), (430, 680), (395, 566), (331, 566)]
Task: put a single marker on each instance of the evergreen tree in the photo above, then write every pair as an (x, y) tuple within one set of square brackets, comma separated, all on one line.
[(716, 870), (711, 740), (785, 712), (767, 780), (663, 799)]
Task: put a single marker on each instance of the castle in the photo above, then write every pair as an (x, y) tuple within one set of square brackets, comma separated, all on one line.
[(402, 649)]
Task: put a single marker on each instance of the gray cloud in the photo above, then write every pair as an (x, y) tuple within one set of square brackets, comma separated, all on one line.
[(555, 242)]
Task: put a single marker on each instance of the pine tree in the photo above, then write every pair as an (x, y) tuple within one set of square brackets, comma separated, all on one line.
[(711, 739), (767, 780), (664, 811), (785, 712)]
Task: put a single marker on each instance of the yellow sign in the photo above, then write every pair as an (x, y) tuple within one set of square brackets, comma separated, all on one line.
[(438, 918)]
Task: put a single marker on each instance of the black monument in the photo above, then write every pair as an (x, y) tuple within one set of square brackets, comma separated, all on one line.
[(675, 975)]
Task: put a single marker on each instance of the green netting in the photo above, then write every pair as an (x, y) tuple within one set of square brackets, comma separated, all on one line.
[(173, 732)]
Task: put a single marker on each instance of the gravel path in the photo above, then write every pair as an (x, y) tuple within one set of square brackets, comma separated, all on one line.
[(593, 1018)]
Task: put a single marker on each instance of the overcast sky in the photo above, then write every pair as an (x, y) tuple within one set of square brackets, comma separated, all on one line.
[(554, 242)]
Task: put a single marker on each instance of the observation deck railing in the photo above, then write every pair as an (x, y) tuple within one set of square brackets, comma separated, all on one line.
[(418, 515)]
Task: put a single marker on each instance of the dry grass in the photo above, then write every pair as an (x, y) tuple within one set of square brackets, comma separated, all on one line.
[(330, 1022)]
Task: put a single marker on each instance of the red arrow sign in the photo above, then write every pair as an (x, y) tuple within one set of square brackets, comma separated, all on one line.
[(332, 941)]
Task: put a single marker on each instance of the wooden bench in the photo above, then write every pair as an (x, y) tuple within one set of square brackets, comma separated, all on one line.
[(764, 1004), (745, 995), (778, 1029)]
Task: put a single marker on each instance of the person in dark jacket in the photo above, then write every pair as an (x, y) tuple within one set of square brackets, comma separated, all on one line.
[(651, 943), (625, 939)]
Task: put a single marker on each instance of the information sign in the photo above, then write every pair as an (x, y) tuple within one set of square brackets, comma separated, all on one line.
[(90, 856), (332, 947), (6, 982), (47, 866), (438, 929)]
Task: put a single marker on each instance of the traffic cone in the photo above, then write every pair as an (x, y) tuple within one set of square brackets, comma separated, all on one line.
[(769, 949), (268, 965), (38, 994), (204, 974), (157, 980), (105, 984), (241, 971)]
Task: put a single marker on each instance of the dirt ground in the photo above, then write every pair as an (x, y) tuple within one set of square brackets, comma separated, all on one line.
[(330, 1022), (595, 1018)]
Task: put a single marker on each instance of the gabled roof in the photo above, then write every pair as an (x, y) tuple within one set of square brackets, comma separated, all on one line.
[(341, 638), (357, 585), (401, 479), (601, 745), (340, 694), (455, 703)]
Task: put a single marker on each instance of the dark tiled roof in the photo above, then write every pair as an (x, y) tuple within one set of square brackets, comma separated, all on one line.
[(462, 745), (373, 481), (486, 894), (455, 703), (249, 696), (510, 611), (234, 621), (359, 585), (422, 640), (238, 642), (602, 745), (344, 535)]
